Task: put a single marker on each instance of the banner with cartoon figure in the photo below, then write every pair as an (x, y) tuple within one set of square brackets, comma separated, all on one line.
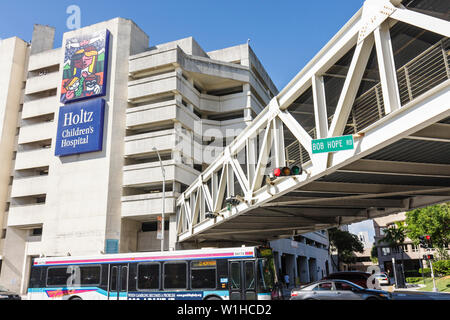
[(85, 67)]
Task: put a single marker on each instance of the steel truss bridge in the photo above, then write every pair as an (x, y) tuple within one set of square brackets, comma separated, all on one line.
[(383, 78)]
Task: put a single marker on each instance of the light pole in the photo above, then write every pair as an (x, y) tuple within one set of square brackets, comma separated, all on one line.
[(163, 223)]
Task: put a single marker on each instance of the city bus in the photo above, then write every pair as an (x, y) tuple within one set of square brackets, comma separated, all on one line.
[(245, 273)]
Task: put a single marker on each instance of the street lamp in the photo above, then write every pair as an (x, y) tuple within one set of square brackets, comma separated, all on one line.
[(163, 198)]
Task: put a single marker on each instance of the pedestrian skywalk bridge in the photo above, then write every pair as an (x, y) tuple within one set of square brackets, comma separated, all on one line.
[(384, 79)]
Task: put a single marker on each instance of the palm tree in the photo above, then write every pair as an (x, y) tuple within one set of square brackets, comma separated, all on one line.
[(394, 237)]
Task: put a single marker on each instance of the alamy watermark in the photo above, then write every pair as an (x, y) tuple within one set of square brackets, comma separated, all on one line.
[(372, 281), (73, 22), (205, 143)]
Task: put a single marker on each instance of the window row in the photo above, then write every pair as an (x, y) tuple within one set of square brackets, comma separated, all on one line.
[(203, 275)]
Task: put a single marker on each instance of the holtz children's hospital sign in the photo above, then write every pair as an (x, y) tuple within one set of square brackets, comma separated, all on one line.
[(80, 128)]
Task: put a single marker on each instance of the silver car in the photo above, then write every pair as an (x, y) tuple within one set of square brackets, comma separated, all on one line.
[(337, 290)]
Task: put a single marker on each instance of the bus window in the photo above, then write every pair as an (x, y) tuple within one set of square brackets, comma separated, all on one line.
[(90, 276), (57, 277), (113, 284), (35, 278), (175, 275), (203, 274), (235, 275), (249, 275), (148, 276)]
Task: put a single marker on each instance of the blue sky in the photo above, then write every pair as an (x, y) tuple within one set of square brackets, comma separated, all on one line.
[(363, 226), (285, 35)]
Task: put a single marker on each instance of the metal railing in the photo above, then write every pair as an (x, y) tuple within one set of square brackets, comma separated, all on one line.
[(418, 76)]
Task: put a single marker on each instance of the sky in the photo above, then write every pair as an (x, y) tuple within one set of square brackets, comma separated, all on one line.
[(285, 35), (363, 226)]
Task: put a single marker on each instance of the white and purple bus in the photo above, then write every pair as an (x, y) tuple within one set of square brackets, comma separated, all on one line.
[(246, 273)]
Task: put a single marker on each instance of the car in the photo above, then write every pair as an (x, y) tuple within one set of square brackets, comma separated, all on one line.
[(5, 294), (357, 277), (337, 290), (383, 279)]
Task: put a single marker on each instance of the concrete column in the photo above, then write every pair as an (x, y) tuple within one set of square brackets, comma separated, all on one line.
[(303, 263), (172, 232), (180, 143), (128, 235), (13, 259), (312, 269)]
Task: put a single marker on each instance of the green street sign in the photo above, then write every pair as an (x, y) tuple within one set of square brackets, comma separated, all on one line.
[(333, 144)]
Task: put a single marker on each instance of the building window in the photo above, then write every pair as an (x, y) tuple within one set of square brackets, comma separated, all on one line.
[(3, 235), (415, 248), (385, 251), (36, 232)]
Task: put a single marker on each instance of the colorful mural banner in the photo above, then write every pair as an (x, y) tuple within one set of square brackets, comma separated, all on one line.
[(85, 67)]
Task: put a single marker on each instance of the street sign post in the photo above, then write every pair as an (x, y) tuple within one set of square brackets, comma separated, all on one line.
[(333, 144)]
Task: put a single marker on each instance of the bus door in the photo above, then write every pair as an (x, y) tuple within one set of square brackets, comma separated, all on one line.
[(242, 279), (118, 282)]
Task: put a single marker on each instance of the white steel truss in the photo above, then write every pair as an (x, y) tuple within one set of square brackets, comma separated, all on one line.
[(398, 114)]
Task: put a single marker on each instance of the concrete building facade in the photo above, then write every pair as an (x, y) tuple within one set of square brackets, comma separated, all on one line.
[(172, 99), (304, 258)]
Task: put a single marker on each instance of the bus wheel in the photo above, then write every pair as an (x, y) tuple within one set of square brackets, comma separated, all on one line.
[(75, 299), (212, 298)]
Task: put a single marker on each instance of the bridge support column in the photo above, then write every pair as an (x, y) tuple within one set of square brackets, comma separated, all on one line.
[(303, 269)]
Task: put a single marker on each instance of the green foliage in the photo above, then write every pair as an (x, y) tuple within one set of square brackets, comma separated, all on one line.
[(425, 271), (346, 245), (374, 254), (433, 221), (414, 279), (442, 267), (442, 254), (394, 235), (412, 273)]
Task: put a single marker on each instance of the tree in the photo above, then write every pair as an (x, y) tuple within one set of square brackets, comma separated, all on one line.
[(345, 244), (394, 237), (433, 221), (374, 254)]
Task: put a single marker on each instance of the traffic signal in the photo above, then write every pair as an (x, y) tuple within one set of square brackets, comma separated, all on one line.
[(286, 172), (423, 242), (426, 242), (429, 242), (428, 257)]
